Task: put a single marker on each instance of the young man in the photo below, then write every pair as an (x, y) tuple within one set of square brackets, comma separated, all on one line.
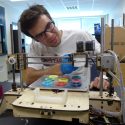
[(48, 40)]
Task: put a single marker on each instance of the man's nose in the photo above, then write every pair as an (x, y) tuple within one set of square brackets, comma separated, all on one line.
[(49, 34)]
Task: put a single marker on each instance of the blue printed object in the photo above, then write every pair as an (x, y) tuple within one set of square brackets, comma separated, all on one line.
[(66, 66)]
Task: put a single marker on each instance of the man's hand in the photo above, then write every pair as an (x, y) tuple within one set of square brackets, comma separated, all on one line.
[(96, 84), (32, 74), (54, 70)]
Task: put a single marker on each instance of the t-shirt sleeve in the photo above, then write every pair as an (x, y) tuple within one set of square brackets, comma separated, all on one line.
[(35, 51)]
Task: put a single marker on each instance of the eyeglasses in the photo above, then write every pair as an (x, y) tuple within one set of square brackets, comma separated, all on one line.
[(49, 28)]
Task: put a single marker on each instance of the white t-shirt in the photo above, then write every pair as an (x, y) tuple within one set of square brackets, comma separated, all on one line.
[(67, 45)]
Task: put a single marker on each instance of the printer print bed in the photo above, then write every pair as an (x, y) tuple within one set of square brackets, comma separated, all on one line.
[(71, 82)]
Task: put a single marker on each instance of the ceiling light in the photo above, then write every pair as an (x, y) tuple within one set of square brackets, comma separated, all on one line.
[(17, 0), (71, 7)]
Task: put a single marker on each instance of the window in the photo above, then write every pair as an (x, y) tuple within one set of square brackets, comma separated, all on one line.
[(69, 23), (88, 23), (85, 23)]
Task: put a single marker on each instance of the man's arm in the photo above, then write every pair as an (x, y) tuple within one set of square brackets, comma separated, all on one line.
[(32, 74), (96, 84)]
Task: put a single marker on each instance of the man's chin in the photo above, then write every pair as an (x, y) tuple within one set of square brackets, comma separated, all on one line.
[(55, 45)]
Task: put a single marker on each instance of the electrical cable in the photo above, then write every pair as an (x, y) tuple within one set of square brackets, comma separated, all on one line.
[(122, 90), (123, 59), (103, 123)]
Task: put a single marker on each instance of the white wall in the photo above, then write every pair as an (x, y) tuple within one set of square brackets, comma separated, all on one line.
[(123, 6), (117, 13)]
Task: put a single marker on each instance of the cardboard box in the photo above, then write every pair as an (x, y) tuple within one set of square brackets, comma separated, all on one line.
[(119, 40), (115, 82), (123, 71), (119, 45)]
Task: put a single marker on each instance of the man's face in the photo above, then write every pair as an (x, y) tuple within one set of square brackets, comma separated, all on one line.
[(46, 32)]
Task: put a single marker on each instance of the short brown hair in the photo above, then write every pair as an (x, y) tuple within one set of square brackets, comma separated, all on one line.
[(30, 16)]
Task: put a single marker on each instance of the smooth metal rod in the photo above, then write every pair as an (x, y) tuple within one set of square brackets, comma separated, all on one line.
[(102, 50), (46, 57), (102, 35), (20, 51), (112, 34), (123, 19), (112, 47)]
